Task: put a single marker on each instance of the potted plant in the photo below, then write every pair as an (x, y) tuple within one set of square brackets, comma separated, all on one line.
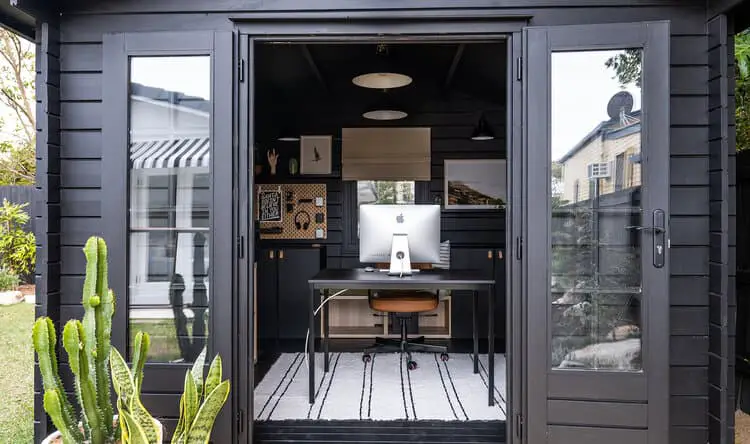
[(88, 347), (200, 402)]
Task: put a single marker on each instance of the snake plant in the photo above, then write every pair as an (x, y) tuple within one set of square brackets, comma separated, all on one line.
[(137, 426), (201, 402), (88, 346)]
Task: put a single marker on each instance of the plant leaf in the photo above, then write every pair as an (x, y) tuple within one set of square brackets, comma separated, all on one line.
[(54, 409), (122, 380), (140, 352), (145, 421), (179, 431), (214, 375), (191, 401), (136, 434), (200, 432), (197, 372)]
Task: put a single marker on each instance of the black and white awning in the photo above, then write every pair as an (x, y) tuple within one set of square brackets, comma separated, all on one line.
[(171, 153)]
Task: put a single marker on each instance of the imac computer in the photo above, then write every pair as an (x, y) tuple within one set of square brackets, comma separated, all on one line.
[(400, 235)]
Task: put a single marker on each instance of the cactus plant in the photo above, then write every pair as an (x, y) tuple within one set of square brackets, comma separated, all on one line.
[(87, 344), (201, 401)]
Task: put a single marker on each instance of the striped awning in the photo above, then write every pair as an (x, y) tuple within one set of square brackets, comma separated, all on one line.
[(171, 153)]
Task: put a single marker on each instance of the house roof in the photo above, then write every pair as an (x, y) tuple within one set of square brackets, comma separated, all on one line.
[(172, 97), (610, 129)]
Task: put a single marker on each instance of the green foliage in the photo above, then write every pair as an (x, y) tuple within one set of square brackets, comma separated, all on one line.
[(8, 280), (87, 345), (17, 247), (201, 401), (628, 66), (742, 91), (136, 425), (17, 76)]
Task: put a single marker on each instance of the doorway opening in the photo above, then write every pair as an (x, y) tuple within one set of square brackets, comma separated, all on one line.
[(432, 131)]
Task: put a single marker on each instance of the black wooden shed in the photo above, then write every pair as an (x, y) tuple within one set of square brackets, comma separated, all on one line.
[(126, 88)]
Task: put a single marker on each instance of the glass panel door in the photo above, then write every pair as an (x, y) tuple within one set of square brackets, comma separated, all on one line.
[(596, 263)]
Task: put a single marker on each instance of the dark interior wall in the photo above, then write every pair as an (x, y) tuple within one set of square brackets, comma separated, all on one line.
[(83, 25)]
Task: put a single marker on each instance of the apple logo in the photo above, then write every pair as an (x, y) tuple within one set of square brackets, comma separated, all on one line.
[(400, 218)]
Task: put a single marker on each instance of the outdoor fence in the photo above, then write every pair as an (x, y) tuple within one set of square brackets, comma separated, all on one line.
[(20, 194)]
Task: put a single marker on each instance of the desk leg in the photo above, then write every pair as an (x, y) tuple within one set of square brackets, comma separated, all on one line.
[(475, 327), (491, 337), (311, 347), (326, 326)]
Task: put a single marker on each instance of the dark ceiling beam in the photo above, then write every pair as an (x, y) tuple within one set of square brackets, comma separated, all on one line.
[(314, 67), (454, 65)]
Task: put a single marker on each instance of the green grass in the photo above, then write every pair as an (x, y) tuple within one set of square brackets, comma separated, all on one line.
[(16, 374)]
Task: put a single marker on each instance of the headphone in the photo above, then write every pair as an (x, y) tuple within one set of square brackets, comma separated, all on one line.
[(302, 225)]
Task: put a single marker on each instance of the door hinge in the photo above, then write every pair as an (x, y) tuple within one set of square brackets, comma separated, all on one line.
[(519, 68), (519, 248), (519, 426), (241, 247), (241, 68), (240, 421)]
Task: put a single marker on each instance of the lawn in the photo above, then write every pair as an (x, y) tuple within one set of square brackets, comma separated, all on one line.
[(16, 374)]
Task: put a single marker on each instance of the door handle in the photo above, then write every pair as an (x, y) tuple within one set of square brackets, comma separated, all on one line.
[(489, 254), (281, 254), (659, 239), (270, 254)]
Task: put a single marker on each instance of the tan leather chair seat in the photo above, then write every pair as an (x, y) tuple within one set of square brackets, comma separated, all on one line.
[(396, 301)]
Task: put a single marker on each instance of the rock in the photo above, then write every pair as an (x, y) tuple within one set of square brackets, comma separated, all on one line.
[(11, 297)]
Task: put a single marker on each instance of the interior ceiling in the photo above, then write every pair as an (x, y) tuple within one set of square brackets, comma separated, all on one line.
[(290, 77)]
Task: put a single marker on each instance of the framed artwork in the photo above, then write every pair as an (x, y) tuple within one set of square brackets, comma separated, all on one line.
[(475, 184), (315, 154)]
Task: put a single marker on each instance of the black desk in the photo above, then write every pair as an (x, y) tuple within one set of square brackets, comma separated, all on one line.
[(358, 279)]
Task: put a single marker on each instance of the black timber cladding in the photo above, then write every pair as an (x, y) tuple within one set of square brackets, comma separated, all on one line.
[(81, 150), (47, 202)]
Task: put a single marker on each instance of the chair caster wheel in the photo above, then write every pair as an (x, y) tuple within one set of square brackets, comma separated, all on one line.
[(366, 358), (444, 357), (411, 365)]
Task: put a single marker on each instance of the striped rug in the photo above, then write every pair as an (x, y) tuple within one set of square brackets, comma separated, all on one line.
[(382, 389)]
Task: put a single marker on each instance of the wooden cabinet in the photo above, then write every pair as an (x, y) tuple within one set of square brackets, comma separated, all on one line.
[(491, 262), (283, 291)]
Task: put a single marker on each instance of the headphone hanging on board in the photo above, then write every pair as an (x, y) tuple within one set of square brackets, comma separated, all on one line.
[(302, 225)]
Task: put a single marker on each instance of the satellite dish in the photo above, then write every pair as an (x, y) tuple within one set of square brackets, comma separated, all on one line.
[(622, 101)]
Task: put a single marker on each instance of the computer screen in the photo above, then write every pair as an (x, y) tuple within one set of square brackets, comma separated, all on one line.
[(414, 231)]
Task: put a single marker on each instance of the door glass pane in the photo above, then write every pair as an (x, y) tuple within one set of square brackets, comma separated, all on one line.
[(595, 256), (170, 196)]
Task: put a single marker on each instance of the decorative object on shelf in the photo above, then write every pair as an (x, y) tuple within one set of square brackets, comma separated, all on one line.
[(472, 184), (293, 166), (482, 131), (273, 159), (383, 75), (315, 154), (299, 223), (437, 199)]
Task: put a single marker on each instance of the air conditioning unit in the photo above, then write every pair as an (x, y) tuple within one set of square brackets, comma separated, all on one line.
[(599, 170)]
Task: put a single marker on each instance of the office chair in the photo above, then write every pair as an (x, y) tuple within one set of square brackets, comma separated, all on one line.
[(404, 304)]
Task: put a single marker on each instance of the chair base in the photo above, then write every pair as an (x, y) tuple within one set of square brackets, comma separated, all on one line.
[(404, 345)]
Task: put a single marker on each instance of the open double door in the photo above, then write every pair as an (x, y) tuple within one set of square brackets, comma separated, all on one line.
[(587, 226)]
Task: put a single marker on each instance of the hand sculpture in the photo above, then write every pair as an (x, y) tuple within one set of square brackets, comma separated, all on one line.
[(273, 159)]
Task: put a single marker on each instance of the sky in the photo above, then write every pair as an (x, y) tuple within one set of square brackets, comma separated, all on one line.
[(581, 89), (188, 74)]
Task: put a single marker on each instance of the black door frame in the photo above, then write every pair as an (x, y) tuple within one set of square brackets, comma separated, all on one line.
[(334, 27), (570, 397)]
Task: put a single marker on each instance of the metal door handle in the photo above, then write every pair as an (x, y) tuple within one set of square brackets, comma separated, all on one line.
[(270, 254), (489, 254), (281, 254), (659, 239)]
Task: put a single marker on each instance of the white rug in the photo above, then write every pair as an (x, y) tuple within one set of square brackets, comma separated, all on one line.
[(383, 389)]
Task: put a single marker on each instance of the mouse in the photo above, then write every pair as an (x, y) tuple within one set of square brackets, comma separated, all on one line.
[(369, 269)]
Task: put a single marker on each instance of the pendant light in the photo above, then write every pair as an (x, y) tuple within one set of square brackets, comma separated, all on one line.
[(285, 135), (482, 131), (384, 109), (383, 75)]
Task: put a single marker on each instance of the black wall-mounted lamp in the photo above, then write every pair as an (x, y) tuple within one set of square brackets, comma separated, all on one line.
[(482, 131)]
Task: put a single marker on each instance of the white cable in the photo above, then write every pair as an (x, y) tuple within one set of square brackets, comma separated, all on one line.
[(307, 336)]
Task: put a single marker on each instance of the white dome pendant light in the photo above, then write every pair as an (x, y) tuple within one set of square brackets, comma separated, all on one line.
[(383, 76)]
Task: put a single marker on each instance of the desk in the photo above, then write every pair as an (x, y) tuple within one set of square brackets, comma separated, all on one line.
[(358, 279)]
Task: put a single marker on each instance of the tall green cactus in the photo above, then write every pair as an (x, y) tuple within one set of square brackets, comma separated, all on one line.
[(200, 402), (88, 347)]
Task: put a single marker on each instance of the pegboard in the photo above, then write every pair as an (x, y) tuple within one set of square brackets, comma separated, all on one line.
[(296, 202)]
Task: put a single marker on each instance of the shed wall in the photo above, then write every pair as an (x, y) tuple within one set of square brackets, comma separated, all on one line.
[(81, 148)]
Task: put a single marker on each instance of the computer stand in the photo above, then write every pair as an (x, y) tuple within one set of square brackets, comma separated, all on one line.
[(400, 259)]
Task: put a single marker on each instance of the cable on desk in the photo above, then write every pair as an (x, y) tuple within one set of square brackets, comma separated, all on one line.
[(307, 336)]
